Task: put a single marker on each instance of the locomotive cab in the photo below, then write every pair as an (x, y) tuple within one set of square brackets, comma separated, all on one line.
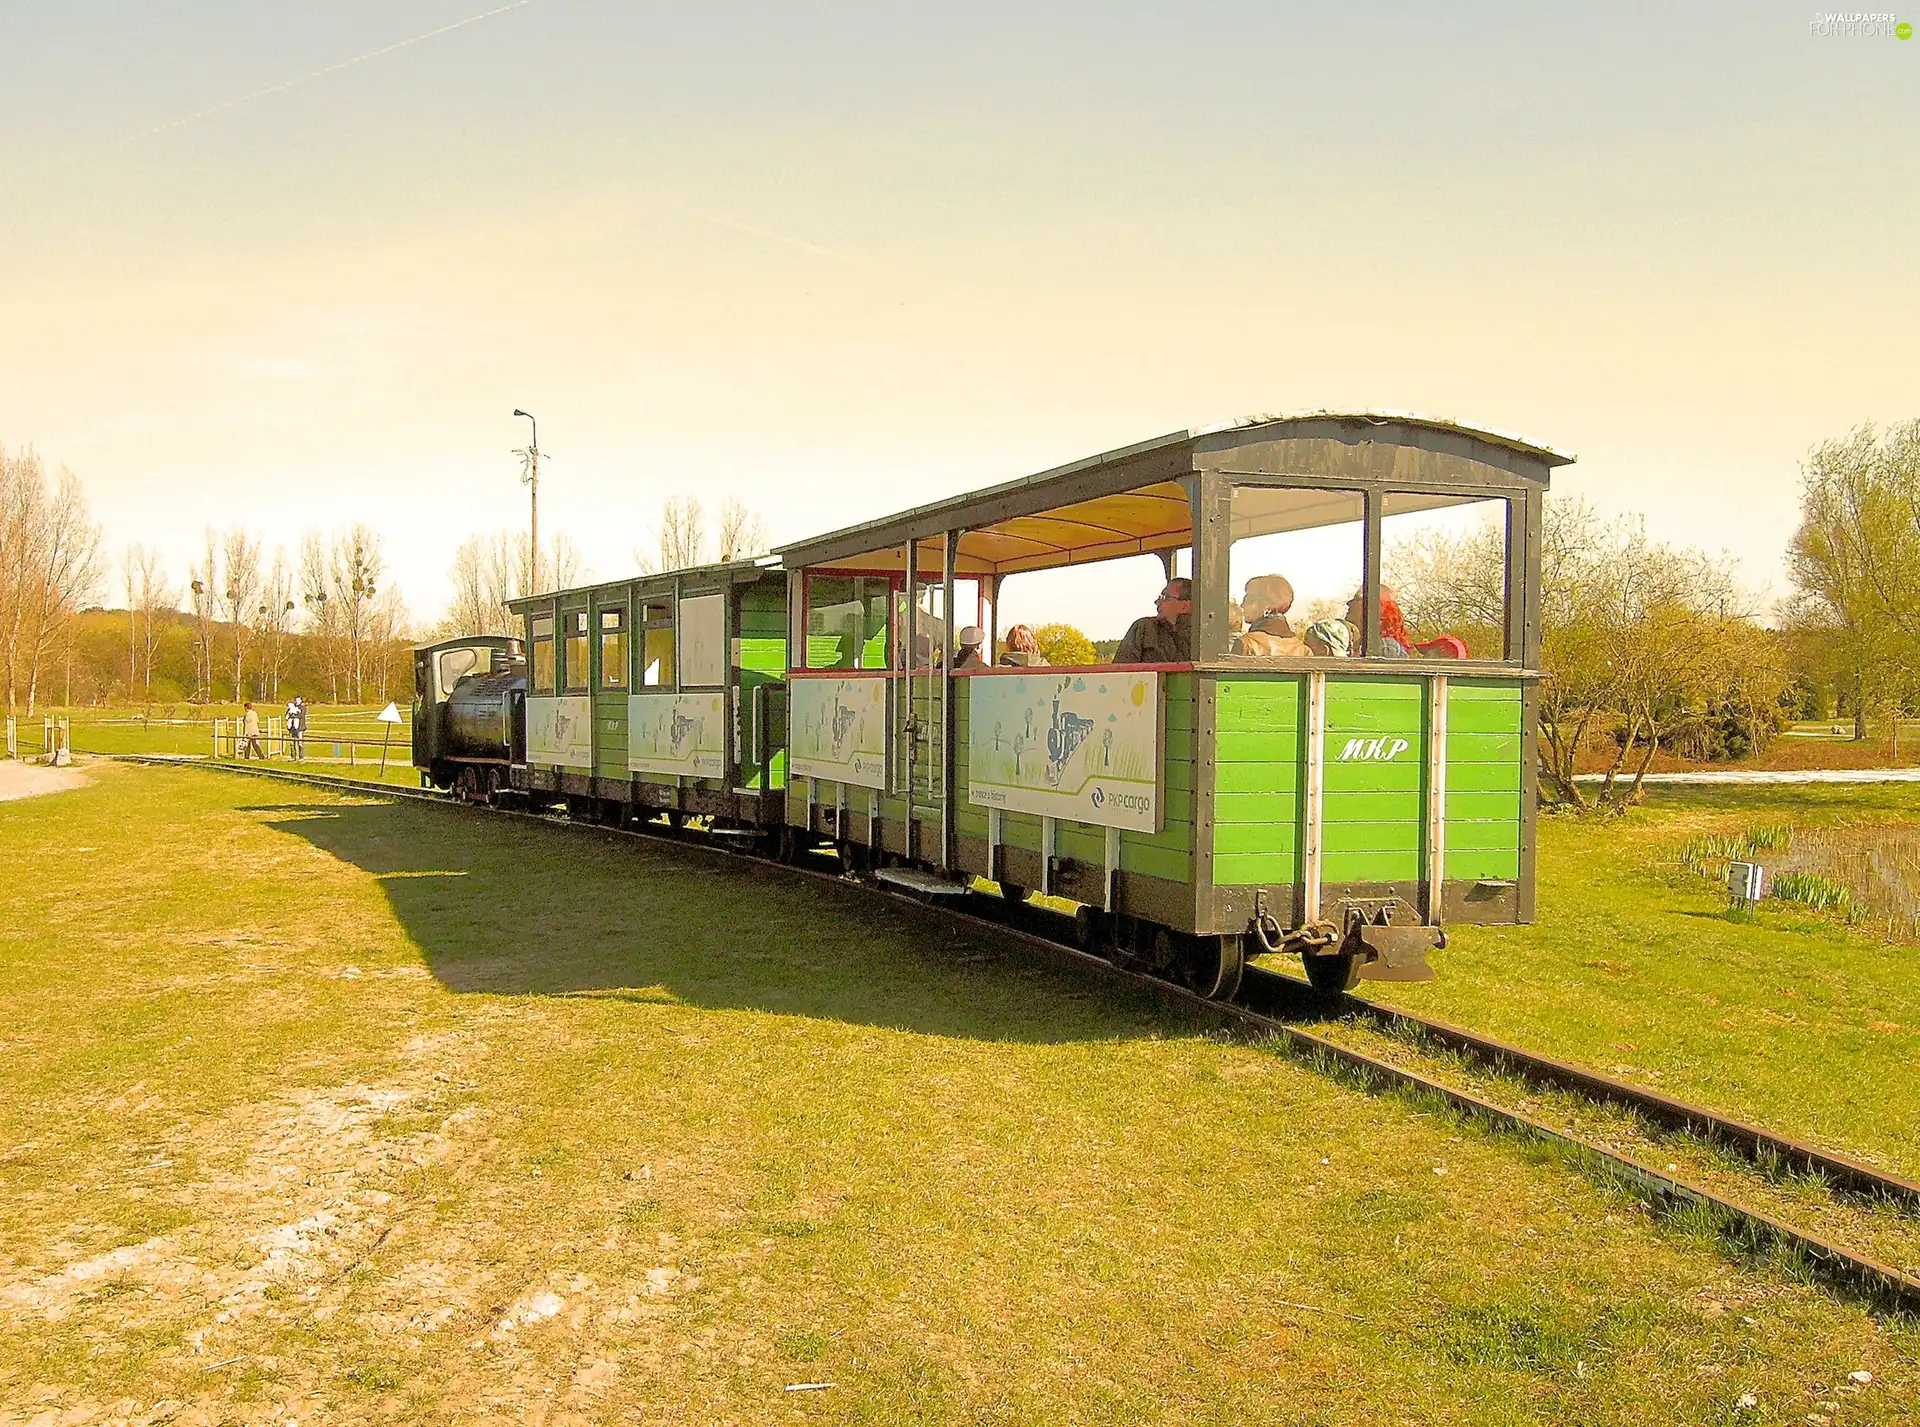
[(467, 695)]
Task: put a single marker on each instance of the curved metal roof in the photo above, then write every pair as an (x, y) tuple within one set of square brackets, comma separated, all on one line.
[(1126, 501)]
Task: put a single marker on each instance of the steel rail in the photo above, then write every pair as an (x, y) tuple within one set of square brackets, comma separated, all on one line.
[(1757, 1144), (1881, 1285)]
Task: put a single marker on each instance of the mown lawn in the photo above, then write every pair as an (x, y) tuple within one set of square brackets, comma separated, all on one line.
[(361, 1112), (1792, 1020)]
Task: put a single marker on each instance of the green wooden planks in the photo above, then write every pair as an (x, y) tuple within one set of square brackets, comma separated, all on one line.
[(1406, 775), (1363, 866), (1285, 748), (1465, 806), (1482, 747), (1256, 778), (1376, 807), (1484, 777), (1466, 866), (1259, 754), (1485, 745), (1271, 838), (1241, 869)]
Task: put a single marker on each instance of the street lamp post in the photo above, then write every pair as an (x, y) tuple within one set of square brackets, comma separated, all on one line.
[(532, 482)]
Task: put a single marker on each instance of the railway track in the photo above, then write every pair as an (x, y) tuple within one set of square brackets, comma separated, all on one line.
[(1267, 1000)]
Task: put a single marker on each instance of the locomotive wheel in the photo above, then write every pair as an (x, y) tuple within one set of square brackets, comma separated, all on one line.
[(1333, 973), (1213, 966)]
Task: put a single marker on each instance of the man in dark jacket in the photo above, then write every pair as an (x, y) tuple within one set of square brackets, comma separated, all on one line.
[(1166, 635)]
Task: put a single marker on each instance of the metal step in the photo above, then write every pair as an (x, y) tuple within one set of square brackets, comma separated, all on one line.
[(916, 883)]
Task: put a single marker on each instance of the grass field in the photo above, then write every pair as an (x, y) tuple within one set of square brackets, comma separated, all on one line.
[(1793, 1020), (296, 1126)]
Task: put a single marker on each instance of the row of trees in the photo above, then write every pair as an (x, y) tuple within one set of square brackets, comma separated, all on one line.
[(242, 622)]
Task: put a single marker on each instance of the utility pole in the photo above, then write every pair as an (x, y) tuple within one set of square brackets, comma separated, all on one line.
[(531, 479)]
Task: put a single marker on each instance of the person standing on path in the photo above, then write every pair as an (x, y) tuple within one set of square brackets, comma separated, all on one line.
[(250, 732), (297, 728)]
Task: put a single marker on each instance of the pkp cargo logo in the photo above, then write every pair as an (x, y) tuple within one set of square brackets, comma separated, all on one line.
[(1132, 802), (1373, 750)]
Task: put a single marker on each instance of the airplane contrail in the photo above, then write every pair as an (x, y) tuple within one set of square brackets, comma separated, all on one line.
[(701, 215), (170, 125)]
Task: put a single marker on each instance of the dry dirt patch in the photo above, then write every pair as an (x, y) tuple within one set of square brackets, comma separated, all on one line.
[(31, 780)]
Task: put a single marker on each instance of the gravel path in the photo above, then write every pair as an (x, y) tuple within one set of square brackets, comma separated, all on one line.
[(28, 780)]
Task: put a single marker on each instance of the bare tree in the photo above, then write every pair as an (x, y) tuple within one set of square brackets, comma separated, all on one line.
[(355, 571), (273, 621), (681, 537), (242, 591), (203, 586), (147, 594), (559, 565), (22, 495), (323, 617), (386, 627), (49, 564), (483, 569), (742, 535)]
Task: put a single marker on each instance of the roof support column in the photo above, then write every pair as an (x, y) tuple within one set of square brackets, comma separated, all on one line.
[(1370, 604), (949, 555), (909, 728), (1212, 499)]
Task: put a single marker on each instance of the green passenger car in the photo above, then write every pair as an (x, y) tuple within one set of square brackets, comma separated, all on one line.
[(660, 694), (1344, 799)]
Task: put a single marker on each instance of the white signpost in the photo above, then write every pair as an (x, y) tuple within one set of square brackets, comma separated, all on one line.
[(839, 730), (390, 715), (1078, 744), (682, 734)]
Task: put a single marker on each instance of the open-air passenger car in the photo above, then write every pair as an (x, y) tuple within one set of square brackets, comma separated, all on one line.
[(1345, 808)]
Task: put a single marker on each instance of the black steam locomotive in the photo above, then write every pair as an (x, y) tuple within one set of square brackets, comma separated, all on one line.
[(469, 712)]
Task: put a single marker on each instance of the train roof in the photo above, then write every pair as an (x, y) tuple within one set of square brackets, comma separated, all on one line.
[(1129, 501), (719, 573)]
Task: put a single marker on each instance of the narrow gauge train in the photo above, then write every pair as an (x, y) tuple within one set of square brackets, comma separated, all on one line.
[(1195, 812)]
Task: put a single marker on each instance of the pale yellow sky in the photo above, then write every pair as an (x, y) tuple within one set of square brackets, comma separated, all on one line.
[(848, 260)]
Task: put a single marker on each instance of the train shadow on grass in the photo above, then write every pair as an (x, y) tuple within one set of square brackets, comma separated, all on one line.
[(514, 908)]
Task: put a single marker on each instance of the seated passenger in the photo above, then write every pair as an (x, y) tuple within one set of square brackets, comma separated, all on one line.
[(1268, 602), (1269, 632), (1395, 642), (1447, 646), (969, 657), (1328, 639), (1166, 635), (1020, 650)]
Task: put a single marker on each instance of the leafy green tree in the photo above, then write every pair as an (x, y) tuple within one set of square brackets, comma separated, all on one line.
[(1855, 562), (1063, 644)]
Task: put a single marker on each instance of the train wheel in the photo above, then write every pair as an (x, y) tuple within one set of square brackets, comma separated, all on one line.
[(1163, 954), (1213, 965), (1092, 929), (1332, 973)]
